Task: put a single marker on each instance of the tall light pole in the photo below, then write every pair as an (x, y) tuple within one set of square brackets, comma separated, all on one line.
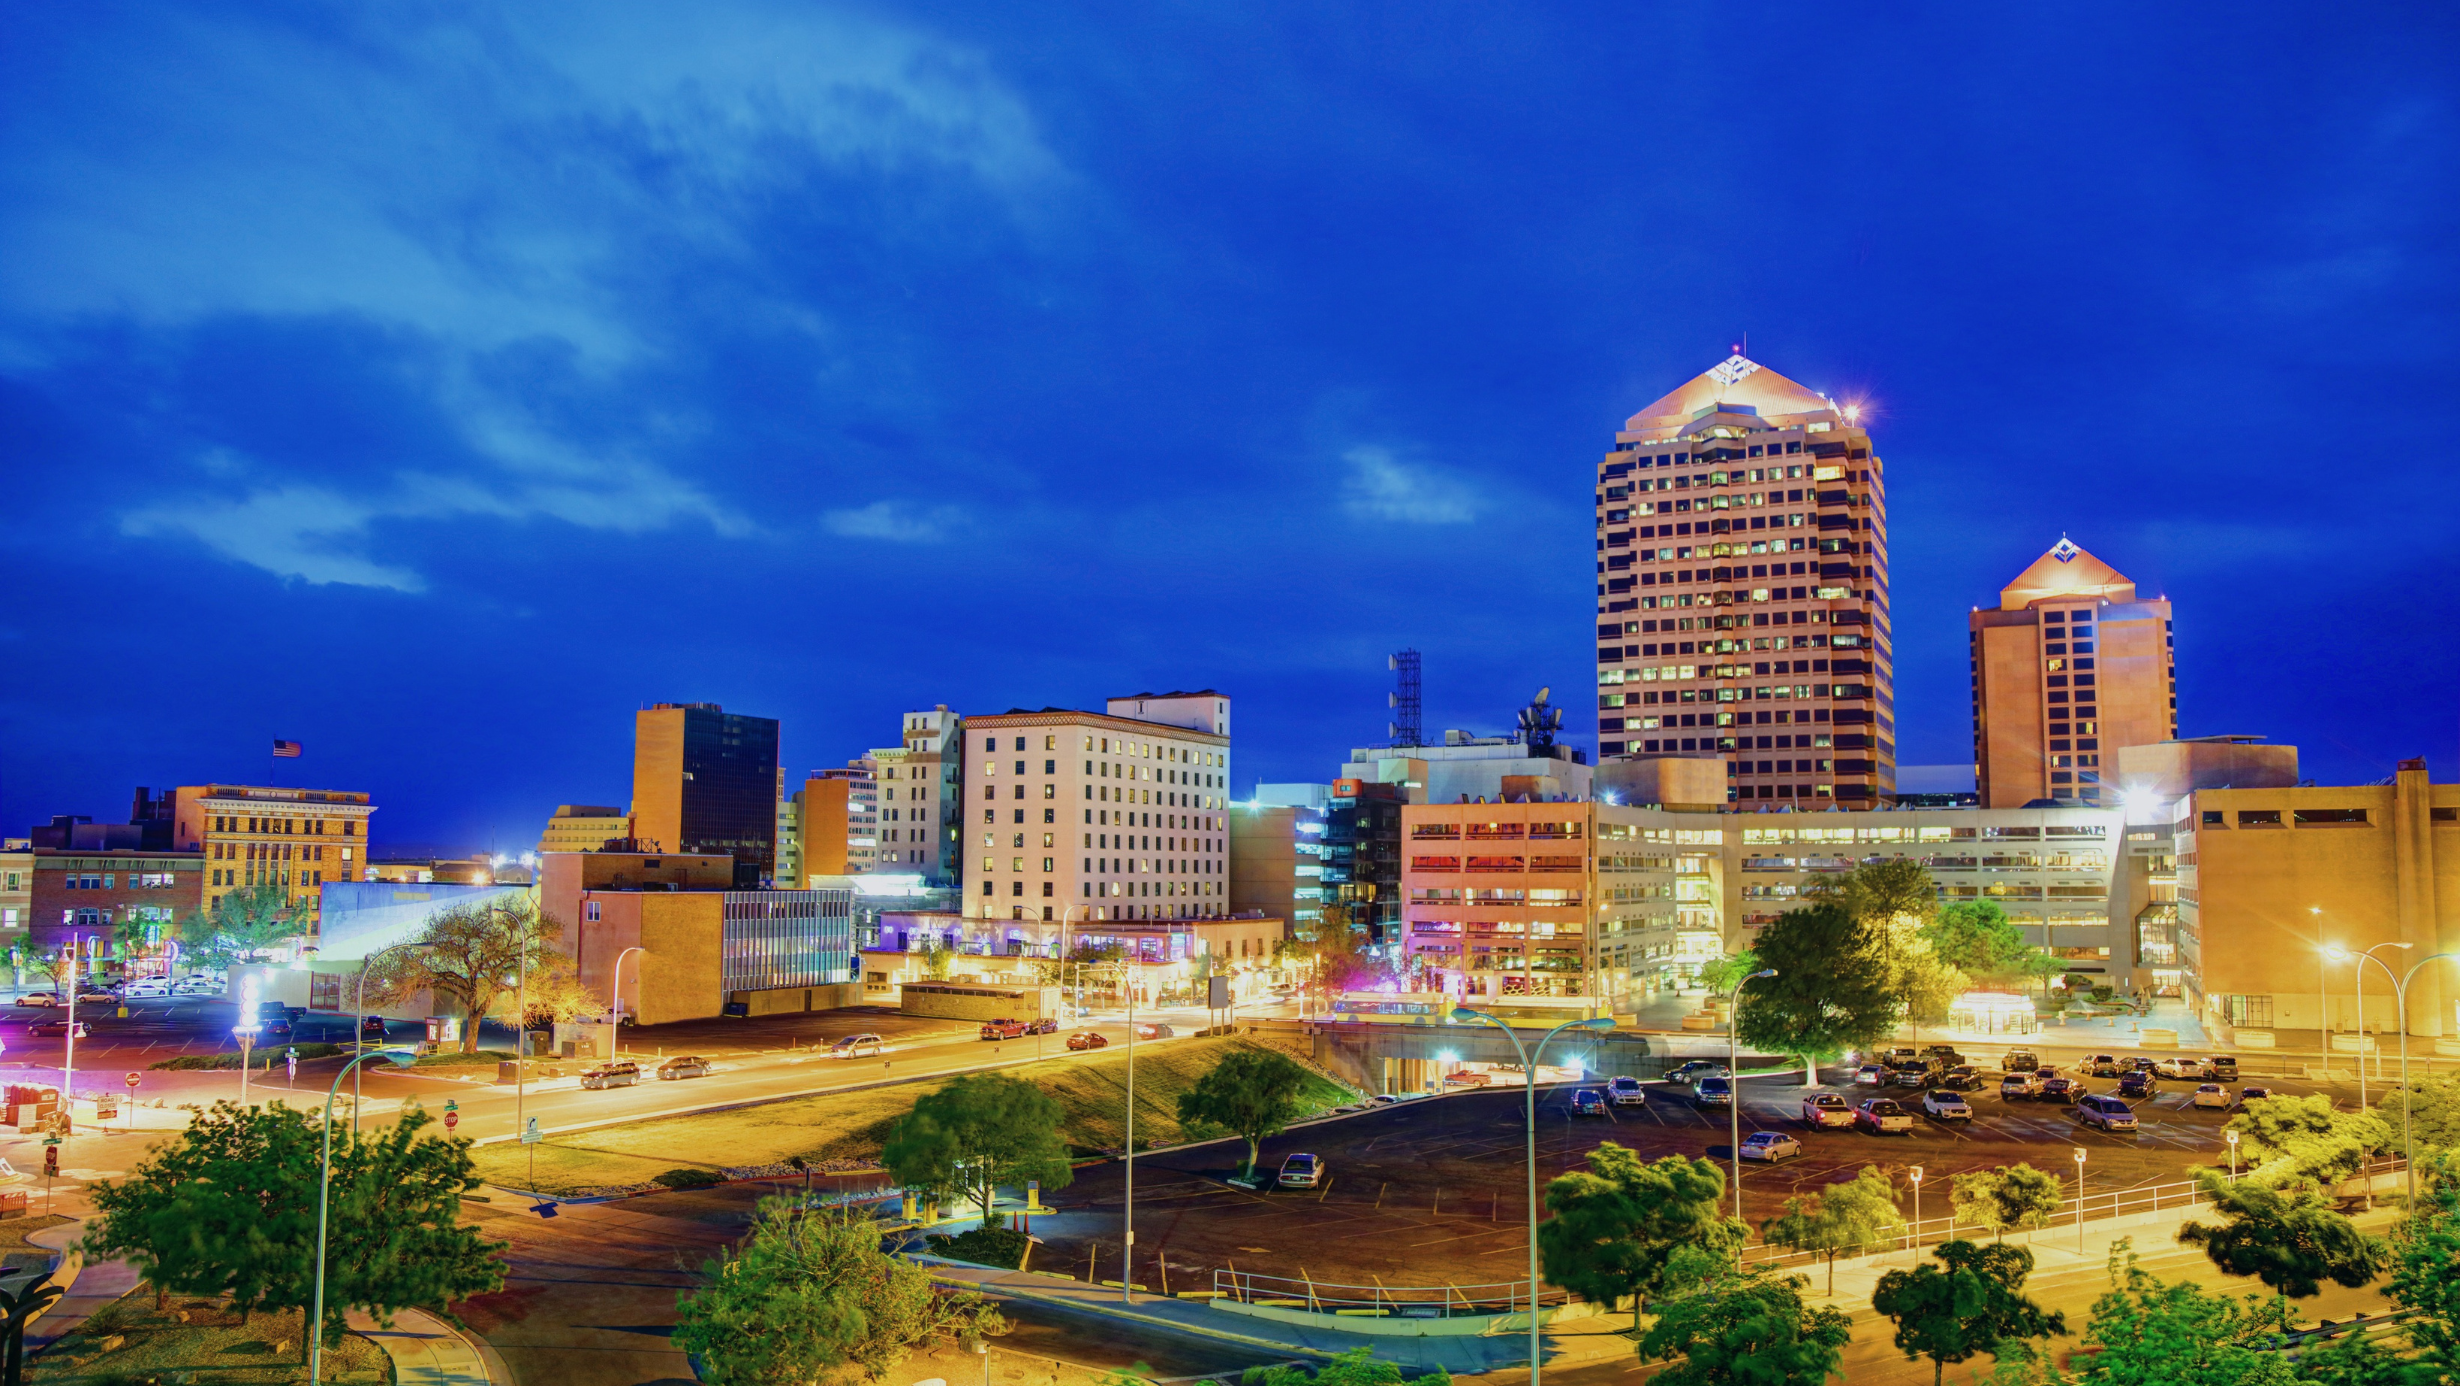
[(1528, 1067), (1733, 1083), (1915, 1174), (246, 1030), (2400, 1003), (2323, 1008), (361, 1038), (324, 1199), (2079, 1200), (2344, 955), (1127, 1208), (2232, 1138), (615, 983)]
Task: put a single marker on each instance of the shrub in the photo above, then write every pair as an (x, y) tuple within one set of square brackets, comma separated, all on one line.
[(987, 1246), (256, 1057), (689, 1178)]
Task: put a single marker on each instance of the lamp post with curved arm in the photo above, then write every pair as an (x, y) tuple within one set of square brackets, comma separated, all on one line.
[(2339, 954), (2400, 1002), (615, 984), (324, 1199), (1733, 1083), (361, 1037), (1528, 1068)]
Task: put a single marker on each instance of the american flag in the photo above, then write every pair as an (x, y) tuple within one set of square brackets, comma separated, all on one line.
[(286, 749)]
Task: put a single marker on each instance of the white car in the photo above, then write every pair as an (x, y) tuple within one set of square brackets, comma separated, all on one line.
[(1302, 1172), (1883, 1117), (2180, 1067), (2209, 1095), (152, 986), (1941, 1105), (1626, 1092), (852, 1045), (1826, 1109), (196, 986), (1771, 1146)]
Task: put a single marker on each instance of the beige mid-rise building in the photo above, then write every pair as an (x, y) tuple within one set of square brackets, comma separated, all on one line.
[(584, 828), (2070, 667), (1114, 815), (253, 835)]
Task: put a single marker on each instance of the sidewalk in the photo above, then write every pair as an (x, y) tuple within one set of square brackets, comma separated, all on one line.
[(427, 1351)]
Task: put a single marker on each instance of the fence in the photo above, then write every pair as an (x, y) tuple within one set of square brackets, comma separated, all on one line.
[(2145, 1200), (1390, 1301)]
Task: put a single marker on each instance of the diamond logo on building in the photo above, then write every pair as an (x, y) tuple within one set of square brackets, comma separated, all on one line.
[(1734, 368), (2065, 551)]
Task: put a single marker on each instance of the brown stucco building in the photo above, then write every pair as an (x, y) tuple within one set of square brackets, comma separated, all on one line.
[(2069, 667)]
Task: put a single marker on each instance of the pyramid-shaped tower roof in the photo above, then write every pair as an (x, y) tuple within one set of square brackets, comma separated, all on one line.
[(1736, 380), (2066, 572)]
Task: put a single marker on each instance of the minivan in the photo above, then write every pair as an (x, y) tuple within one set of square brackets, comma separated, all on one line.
[(616, 1075)]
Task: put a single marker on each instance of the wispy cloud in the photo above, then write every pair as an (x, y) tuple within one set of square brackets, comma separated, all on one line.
[(1381, 486), (898, 522)]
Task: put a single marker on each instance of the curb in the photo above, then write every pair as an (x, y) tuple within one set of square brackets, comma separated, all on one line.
[(1130, 1316)]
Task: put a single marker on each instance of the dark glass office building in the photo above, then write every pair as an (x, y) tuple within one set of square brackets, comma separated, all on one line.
[(1362, 860), (704, 780)]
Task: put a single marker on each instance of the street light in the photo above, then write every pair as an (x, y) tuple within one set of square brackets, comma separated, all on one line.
[(2400, 1003), (2232, 1138), (2339, 954), (246, 1029), (324, 1199), (615, 985), (2079, 1200), (1528, 1066), (1733, 1084), (1915, 1241)]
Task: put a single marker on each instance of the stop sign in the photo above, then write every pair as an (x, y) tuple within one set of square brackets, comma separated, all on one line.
[(131, 1080), (452, 1115)]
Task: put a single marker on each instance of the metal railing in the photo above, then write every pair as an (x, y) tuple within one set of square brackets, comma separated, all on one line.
[(1380, 1300), (2145, 1199)]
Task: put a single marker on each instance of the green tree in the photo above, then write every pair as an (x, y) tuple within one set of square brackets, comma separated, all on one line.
[(1843, 1219), (1971, 1302), (2147, 1332), (1977, 938), (1896, 891), (2304, 1143), (1720, 974), (937, 957), (1749, 1328), (2425, 1252), (808, 1296), (2292, 1242), (979, 1132), (2433, 1106), (1356, 1367), (2010, 1196), (469, 956), (246, 925), (1833, 990), (1251, 1093), (229, 1208), (1627, 1227)]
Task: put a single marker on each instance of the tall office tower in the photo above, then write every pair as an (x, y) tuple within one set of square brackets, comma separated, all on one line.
[(1742, 592), (2069, 668), (861, 779), (704, 780)]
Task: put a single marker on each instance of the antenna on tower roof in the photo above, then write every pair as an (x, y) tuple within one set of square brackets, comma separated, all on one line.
[(1407, 728)]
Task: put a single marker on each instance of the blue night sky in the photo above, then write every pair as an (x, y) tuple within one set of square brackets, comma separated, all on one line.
[(435, 385)]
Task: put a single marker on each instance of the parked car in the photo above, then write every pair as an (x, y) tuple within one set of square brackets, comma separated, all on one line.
[(1881, 1115), (1002, 1029), (2180, 1066), (38, 998), (371, 1027), (2223, 1068), (1714, 1092), (2060, 1089), (2107, 1113), (96, 996), (2018, 1087), (2137, 1083), (1302, 1172), (1154, 1029), (852, 1045), (1694, 1070), (1588, 1102), (57, 1027), (1941, 1105), (197, 986), (2101, 1066), (1870, 1076), (622, 1074), (1463, 1078), (684, 1066), (1913, 1075), (1944, 1055), (1901, 1054), (1961, 1078), (2142, 1063), (1087, 1039), (2018, 1061), (1771, 1146), (145, 988), (2246, 1095), (1627, 1092), (2209, 1095), (1826, 1109)]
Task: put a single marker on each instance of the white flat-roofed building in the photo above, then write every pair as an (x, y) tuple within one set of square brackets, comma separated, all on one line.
[(1098, 815)]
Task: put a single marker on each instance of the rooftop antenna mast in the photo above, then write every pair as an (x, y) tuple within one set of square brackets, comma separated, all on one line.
[(1407, 727)]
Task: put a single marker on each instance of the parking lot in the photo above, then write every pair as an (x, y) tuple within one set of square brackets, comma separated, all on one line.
[(1433, 1190)]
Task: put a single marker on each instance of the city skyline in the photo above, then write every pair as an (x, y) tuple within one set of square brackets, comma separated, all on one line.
[(1091, 383)]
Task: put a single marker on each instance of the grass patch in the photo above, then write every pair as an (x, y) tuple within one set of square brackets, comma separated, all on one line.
[(198, 1340), (854, 1125), (454, 1058), (263, 1056)]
